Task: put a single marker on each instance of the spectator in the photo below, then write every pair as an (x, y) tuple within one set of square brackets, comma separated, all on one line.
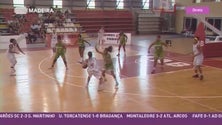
[(31, 37)]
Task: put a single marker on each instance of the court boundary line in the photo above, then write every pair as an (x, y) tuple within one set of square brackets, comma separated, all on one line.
[(151, 95), (186, 98)]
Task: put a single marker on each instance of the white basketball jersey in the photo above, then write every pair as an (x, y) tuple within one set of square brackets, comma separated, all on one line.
[(195, 46), (92, 63), (54, 39), (13, 49)]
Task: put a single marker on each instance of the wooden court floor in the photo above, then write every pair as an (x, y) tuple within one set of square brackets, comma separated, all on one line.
[(35, 88)]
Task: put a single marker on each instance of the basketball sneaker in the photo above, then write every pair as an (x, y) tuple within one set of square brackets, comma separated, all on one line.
[(116, 86), (101, 87), (195, 76), (153, 71), (13, 70), (104, 78), (201, 77)]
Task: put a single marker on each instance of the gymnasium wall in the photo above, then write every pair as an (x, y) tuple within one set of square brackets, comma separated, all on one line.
[(75, 4), (6, 4), (184, 2), (215, 7), (179, 20), (215, 11)]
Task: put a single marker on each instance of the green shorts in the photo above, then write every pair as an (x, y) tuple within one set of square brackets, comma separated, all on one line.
[(159, 55), (59, 54), (122, 42), (109, 67)]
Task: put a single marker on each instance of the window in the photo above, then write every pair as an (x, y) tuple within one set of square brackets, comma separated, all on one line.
[(210, 0), (199, 1), (120, 4), (146, 4), (167, 5), (190, 24), (216, 22), (91, 4), (57, 3), (172, 3), (18, 3)]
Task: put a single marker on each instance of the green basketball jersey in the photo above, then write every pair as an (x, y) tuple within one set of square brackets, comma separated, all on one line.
[(108, 61), (60, 48), (158, 47), (123, 39), (81, 42)]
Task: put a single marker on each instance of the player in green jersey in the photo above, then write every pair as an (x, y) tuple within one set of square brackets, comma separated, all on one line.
[(81, 43), (158, 52), (108, 63), (60, 51), (122, 42)]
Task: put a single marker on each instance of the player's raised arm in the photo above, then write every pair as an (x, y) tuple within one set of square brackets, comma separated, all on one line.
[(87, 42), (97, 50), (20, 49)]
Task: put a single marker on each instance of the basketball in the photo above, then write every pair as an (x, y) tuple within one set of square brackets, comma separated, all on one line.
[(84, 65)]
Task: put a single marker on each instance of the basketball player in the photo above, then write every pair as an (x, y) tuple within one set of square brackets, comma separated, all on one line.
[(81, 43), (12, 50), (60, 51), (101, 36), (108, 63), (53, 40), (93, 70), (158, 52), (122, 42), (198, 58)]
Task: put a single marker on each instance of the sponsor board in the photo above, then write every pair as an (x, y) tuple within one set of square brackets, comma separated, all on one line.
[(111, 38)]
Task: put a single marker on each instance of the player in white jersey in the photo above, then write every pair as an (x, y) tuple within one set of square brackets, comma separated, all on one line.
[(101, 39), (12, 50), (93, 70), (53, 40), (198, 58)]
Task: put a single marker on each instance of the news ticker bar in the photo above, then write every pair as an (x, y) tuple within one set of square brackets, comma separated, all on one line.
[(111, 118), (110, 115)]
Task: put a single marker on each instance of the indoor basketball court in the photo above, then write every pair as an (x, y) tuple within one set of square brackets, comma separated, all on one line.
[(36, 88)]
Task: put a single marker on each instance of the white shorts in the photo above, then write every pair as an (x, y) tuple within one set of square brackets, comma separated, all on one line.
[(96, 73), (11, 58), (198, 61), (53, 43), (101, 38)]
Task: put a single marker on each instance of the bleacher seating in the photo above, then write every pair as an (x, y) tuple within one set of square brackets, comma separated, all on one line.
[(149, 22), (3, 26), (7, 13), (31, 18), (112, 20)]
